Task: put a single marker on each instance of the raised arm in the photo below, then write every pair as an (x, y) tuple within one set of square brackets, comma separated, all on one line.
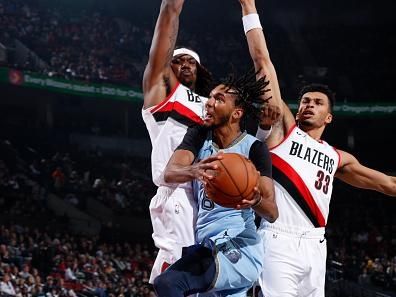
[(357, 175), (262, 62), (158, 78)]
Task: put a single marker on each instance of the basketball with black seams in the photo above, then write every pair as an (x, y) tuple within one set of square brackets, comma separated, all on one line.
[(233, 181)]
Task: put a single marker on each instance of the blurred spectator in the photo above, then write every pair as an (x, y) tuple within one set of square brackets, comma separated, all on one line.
[(58, 178), (6, 286)]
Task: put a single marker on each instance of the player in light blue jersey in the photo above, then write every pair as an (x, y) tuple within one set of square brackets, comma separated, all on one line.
[(228, 258)]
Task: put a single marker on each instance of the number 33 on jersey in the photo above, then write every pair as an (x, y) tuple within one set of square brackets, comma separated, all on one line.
[(305, 188)]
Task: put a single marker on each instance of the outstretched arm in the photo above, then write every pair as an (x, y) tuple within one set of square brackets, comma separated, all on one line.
[(262, 62), (357, 175), (158, 78)]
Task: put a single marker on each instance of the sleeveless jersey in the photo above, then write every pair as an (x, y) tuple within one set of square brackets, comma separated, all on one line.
[(167, 123), (303, 171), (214, 219)]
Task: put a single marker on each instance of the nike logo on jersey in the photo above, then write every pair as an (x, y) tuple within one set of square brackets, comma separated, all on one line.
[(301, 134), (312, 155)]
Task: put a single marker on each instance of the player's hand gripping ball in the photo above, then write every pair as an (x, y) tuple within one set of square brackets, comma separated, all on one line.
[(233, 181)]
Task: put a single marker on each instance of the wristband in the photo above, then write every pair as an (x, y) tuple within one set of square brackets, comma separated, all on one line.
[(251, 21), (263, 134), (258, 202)]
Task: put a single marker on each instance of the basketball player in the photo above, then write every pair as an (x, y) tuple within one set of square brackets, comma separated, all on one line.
[(229, 257), (174, 84), (304, 167)]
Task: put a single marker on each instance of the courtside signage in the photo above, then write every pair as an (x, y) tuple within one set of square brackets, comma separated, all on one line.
[(73, 87)]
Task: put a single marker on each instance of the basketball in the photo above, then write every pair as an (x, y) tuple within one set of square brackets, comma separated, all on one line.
[(233, 181)]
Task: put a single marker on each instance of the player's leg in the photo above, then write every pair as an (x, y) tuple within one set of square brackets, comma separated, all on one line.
[(241, 292), (313, 284), (239, 260), (282, 267), (173, 215), (229, 264), (184, 209), (192, 273), (160, 264), (156, 214)]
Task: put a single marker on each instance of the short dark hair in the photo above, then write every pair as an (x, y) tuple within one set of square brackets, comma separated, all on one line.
[(249, 92), (315, 87)]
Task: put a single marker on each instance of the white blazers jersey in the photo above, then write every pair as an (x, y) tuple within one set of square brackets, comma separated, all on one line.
[(167, 123), (303, 172)]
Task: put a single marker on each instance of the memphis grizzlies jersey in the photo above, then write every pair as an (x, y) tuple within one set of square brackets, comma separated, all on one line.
[(213, 220), (303, 172), (167, 123)]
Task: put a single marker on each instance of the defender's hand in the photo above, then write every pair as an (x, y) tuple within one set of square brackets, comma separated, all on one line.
[(270, 114)]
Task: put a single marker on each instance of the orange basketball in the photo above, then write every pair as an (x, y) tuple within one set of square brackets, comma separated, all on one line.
[(233, 181)]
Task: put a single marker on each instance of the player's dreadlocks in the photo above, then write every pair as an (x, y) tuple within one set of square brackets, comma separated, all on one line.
[(204, 83), (249, 91)]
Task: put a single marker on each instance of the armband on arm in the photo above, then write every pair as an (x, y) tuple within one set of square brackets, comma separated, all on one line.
[(263, 134), (251, 21)]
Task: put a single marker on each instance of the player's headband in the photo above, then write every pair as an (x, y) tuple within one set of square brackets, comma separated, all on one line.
[(186, 51)]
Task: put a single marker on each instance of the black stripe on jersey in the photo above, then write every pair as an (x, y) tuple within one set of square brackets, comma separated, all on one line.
[(161, 116), (289, 186)]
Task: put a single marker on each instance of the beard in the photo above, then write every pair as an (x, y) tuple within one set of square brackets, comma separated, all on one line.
[(305, 123), (222, 121), (187, 83)]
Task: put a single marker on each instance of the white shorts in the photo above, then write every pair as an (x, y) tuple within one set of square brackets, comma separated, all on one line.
[(173, 213), (294, 262)]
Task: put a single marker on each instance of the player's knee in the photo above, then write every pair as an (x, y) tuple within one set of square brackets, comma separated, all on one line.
[(165, 285), (161, 285)]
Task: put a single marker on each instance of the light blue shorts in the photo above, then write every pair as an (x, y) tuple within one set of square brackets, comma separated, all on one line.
[(238, 263)]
